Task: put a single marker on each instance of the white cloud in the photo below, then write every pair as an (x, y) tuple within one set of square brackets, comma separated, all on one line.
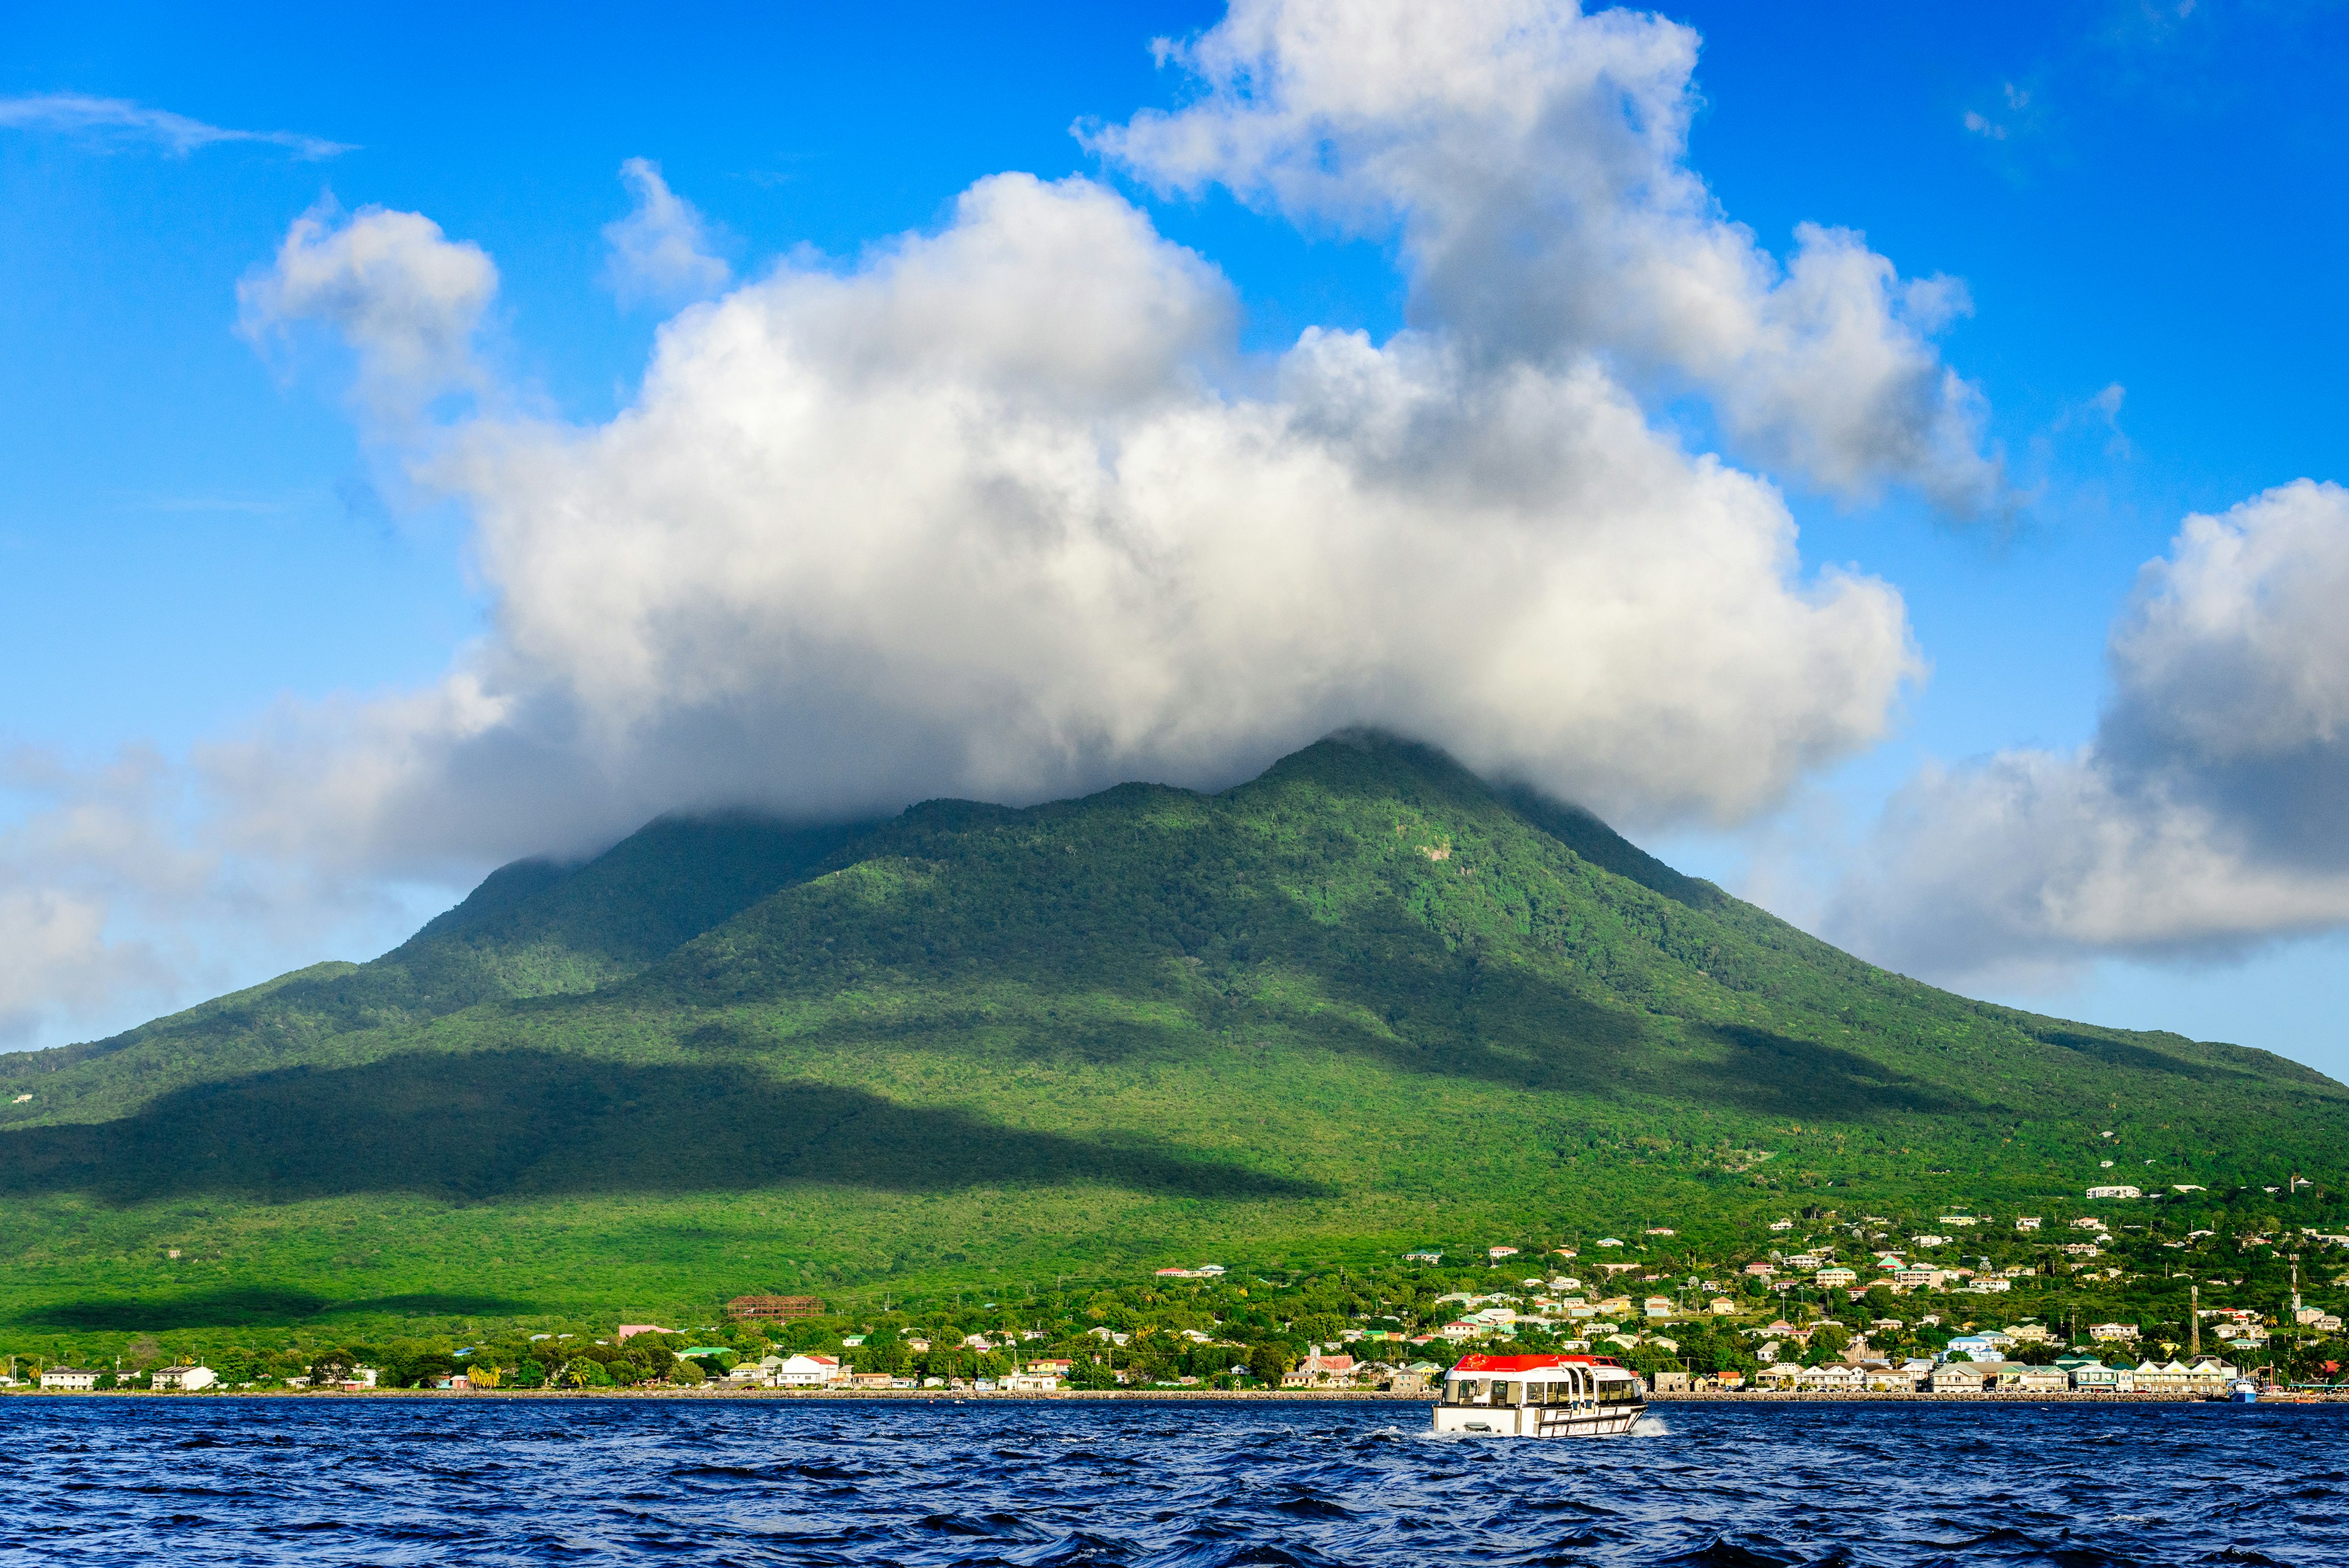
[(2206, 817), (407, 300), (980, 517), (117, 118), (660, 252), (1531, 159)]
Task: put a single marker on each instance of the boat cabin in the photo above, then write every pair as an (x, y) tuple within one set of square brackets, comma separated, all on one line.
[(1540, 1396)]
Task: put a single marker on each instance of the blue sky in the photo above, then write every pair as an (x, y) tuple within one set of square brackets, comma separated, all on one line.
[(202, 533)]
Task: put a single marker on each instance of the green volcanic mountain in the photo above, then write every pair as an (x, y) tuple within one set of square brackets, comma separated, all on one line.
[(1363, 1003)]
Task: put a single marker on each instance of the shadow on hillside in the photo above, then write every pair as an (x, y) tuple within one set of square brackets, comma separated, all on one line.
[(256, 1307), (534, 1123), (1499, 1023), (2122, 1054), (1773, 1075)]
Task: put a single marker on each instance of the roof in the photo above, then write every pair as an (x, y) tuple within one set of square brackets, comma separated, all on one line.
[(1526, 1363)]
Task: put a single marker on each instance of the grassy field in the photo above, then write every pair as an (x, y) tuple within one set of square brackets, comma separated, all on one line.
[(1362, 1004)]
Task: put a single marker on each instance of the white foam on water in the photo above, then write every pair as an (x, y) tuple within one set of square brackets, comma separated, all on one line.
[(1649, 1427)]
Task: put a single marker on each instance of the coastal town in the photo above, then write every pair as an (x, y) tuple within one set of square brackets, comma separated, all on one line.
[(2174, 1294)]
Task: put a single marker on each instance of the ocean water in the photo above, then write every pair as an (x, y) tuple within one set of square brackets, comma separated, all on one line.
[(324, 1481)]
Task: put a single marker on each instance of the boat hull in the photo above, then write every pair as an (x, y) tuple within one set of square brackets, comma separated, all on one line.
[(1611, 1420)]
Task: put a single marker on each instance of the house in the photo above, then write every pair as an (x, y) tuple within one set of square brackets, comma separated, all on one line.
[(2018, 1378), (870, 1380), (1497, 1254), (1837, 1276), (1779, 1375), (2114, 1192), (1958, 1377), (1657, 1306), (2111, 1330), (1721, 1306), (73, 1377), (1832, 1376), (629, 1330), (2207, 1375), (1984, 1345), (1058, 1368), (2028, 1222), (2096, 1377), (1031, 1383), (1317, 1370), (808, 1371), (186, 1379), (1912, 1278), (1422, 1257), (1669, 1383)]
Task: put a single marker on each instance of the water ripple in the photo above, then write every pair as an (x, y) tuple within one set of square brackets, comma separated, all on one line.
[(1780, 1485)]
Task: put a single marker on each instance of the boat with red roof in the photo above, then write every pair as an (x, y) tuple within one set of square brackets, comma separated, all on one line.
[(1541, 1397)]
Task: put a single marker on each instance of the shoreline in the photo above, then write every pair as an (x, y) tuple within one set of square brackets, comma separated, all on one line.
[(1227, 1396)]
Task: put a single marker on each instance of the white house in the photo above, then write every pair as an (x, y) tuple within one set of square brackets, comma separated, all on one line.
[(2208, 1375), (69, 1378), (2115, 1192), (186, 1379), (809, 1372), (1837, 1276), (1032, 1381), (2111, 1330)]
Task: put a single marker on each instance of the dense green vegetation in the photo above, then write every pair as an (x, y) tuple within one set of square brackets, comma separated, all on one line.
[(1247, 1328), (1362, 1004)]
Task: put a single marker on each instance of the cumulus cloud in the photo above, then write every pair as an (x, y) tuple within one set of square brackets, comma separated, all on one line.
[(660, 252), (1531, 161), (2206, 816), (981, 516), (114, 119), (406, 299)]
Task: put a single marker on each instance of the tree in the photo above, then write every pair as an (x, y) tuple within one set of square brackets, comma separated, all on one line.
[(1269, 1360), (530, 1375), (686, 1373)]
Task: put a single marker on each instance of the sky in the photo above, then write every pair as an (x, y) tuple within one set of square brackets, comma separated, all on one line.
[(1886, 459)]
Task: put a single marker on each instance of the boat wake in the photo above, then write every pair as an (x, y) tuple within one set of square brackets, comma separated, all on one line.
[(1649, 1427)]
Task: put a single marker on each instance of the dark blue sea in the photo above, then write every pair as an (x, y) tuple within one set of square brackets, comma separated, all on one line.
[(1179, 1485)]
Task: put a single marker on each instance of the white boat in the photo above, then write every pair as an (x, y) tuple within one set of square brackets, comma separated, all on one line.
[(1540, 1397)]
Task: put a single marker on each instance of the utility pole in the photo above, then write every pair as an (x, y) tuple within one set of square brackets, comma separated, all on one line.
[(2194, 1320)]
